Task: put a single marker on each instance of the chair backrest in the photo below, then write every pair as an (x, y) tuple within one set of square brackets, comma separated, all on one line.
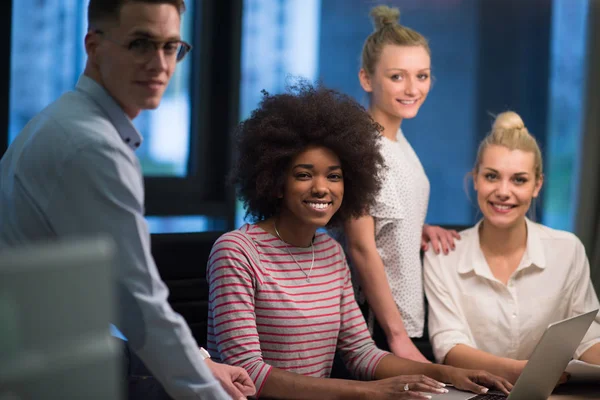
[(181, 261)]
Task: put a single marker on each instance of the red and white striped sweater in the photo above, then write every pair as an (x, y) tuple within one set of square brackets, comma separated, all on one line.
[(263, 313)]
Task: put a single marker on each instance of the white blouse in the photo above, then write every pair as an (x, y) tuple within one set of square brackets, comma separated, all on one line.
[(468, 305), (399, 215)]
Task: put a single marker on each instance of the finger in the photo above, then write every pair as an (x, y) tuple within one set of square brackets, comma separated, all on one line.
[(504, 386), (424, 246), (426, 387), (499, 383), (455, 234), (414, 395), (450, 240), (231, 390), (411, 379), (245, 389), (435, 244), (444, 244), (244, 380), (473, 387)]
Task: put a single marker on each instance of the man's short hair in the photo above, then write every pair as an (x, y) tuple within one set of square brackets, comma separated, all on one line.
[(105, 10)]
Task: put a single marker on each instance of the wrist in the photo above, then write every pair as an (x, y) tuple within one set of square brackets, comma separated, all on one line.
[(363, 390), (204, 354), (395, 332), (514, 369), (442, 373)]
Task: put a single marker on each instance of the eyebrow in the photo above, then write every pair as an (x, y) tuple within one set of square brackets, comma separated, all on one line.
[(310, 166), (516, 173), (404, 70), (140, 33)]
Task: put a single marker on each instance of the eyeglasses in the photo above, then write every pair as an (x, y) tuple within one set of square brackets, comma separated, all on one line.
[(142, 49)]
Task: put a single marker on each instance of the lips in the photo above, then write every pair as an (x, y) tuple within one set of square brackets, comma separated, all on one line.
[(319, 205), (501, 207), (151, 84), (408, 102)]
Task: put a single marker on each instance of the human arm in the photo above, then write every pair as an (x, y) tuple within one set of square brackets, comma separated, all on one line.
[(464, 356), (440, 238), (474, 380), (365, 361), (235, 380), (584, 299), (102, 186), (449, 329), (360, 236), (240, 305)]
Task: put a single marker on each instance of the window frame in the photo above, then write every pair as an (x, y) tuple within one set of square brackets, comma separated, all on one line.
[(214, 116), (215, 74), (6, 34)]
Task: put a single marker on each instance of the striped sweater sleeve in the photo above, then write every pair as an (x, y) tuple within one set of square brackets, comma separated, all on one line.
[(232, 276), (355, 344)]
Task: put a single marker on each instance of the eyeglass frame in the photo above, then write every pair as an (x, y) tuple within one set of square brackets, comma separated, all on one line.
[(157, 45)]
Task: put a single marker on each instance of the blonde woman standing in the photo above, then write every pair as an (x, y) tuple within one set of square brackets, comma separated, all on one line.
[(384, 246)]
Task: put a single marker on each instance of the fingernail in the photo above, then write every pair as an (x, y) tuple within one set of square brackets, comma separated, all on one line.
[(427, 396), (484, 390), (441, 390)]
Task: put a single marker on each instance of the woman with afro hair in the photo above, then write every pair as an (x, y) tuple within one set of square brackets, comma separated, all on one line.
[(281, 300)]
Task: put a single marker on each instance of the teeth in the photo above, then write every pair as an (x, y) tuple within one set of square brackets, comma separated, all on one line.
[(502, 207), (318, 206), (408, 102)]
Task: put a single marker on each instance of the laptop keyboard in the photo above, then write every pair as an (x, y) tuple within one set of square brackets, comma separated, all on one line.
[(489, 397)]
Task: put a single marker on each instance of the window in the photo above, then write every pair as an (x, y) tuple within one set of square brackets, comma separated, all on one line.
[(48, 56), (323, 40), (565, 114), (185, 155), (480, 69)]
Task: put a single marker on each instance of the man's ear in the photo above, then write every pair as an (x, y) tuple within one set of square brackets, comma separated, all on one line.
[(92, 42)]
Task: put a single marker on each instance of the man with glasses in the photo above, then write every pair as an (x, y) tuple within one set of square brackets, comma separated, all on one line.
[(72, 171)]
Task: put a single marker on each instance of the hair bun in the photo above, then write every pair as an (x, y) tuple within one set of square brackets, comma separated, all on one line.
[(508, 120), (384, 16)]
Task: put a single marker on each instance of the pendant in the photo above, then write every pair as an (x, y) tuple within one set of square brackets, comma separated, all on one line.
[(308, 280)]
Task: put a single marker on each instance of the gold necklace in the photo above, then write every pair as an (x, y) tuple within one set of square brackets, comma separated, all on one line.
[(312, 246)]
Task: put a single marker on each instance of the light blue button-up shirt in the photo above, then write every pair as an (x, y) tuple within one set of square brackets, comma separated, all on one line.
[(72, 171)]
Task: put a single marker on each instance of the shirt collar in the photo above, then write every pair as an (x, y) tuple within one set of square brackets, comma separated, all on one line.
[(117, 116), (534, 253), (474, 260)]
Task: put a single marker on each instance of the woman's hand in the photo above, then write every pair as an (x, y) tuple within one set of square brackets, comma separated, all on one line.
[(477, 381), (439, 238), (404, 387)]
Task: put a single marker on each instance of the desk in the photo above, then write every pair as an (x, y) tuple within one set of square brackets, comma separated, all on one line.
[(574, 391)]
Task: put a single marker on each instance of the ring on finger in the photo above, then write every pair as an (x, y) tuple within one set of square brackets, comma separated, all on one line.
[(406, 388)]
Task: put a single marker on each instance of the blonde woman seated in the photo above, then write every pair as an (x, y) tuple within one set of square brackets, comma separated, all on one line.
[(509, 278)]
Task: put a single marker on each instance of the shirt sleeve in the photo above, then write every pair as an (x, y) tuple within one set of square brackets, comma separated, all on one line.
[(232, 278), (357, 348), (101, 191), (584, 298), (447, 324)]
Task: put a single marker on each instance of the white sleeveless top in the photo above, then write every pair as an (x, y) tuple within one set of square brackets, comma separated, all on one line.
[(399, 215)]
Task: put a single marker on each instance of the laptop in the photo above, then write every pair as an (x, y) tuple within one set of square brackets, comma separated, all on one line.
[(56, 303), (547, 363)]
